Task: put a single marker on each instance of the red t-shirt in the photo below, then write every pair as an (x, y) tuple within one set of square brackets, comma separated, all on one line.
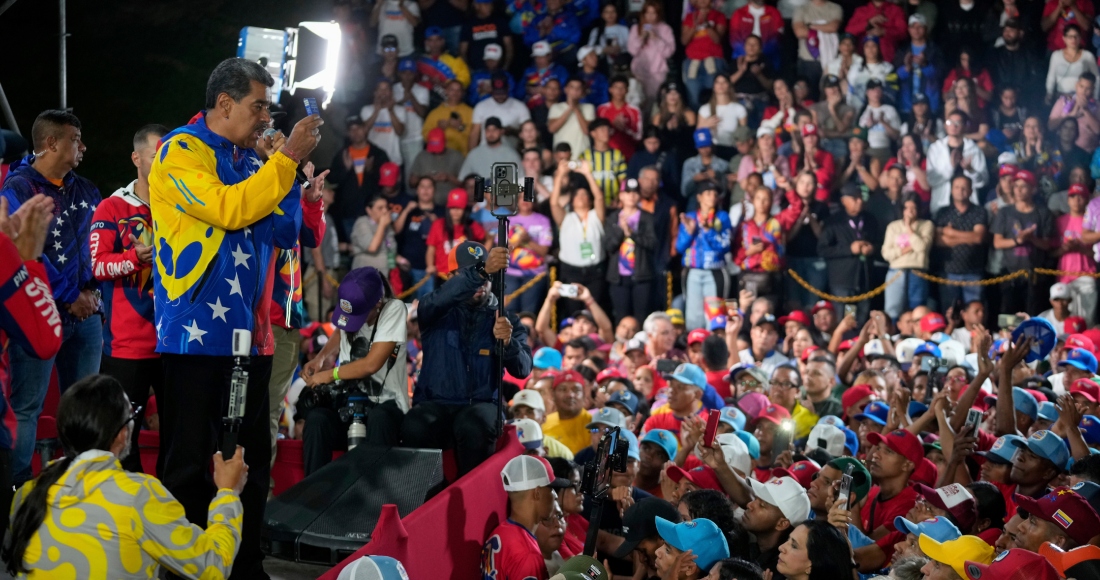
[(625, 141), (878, 514), (717, 379), (437, 238), (702, 46), (512, 553), (576, 530), (1054, 35), (668, 421)]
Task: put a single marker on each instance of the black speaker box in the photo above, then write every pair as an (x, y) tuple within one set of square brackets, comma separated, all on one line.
[(330, 514)]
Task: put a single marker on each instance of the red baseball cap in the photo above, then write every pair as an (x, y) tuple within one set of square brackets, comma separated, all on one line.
[(1077, 189), (569, 376), (775, 414), (821, 305), (387, 174), (805, 356), (1074, 324), (846, 345), (1093, 334), (1067, 510), (457, 199), (901, 442), (803, 472), (702, 476), (797, 316), (932, 322), (1080, 340), (1087, 388), (696, 336), (926, 472), (955, 499), (980, 403), (1007, 169), (856, 394), (809, 129), (609, 373), (1026, 176), (1014, 564), (437, 141)]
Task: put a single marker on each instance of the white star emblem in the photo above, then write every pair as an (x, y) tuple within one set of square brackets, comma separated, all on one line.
[(194, 332), (235, 286), (61, 258), (83, 205), (57, 245), (219, 310), (60, 222), (247, 231), (56, 233), (66, 212), (158, 327), (240, 258), (73, 207), (93, 208)]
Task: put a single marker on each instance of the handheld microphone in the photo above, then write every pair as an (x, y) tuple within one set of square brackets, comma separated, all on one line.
[(270, 133)]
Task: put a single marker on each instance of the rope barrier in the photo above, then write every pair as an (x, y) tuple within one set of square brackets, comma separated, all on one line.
[(412, 289), (668, 290), (527, 286), (842, 299), (987, 282), (1064, 273)]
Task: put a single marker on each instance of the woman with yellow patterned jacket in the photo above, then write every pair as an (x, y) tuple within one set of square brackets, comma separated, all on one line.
[(86, 517)]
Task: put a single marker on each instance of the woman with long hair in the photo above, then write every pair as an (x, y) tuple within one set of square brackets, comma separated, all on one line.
[(816, 550), (921, 122), (780, 116), (873, 67), (703, 241), (651, 42), (629, 242), (1033, 152), (983, 83), (752, 78), (846, 59), (1008, 116), (722, 114), (86, 517), (530, 138), (1066, 65), (906, 247), (964, 98), (611, 37), (760, 248), (912, 158), (802, 256), (765, 160), (580, 233), (675, 121), (456, 227), (412, 227)]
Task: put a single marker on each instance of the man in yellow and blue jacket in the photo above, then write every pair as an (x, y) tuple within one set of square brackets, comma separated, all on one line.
[(218, 213)]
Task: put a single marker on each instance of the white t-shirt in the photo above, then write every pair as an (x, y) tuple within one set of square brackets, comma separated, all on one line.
[(730, 115), (512, 113), (391, 328), (876, 133), (573, 234), (392, 21), (414, 125), (382, 133), (571, 132)]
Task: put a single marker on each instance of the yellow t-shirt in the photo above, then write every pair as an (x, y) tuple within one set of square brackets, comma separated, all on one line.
[(573, 433), (456, 139), (804, 421)]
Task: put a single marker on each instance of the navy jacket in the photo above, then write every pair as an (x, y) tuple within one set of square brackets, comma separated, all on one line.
[(459, 348)]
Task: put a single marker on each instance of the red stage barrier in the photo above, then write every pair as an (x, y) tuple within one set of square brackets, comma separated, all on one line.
[(443, 537)]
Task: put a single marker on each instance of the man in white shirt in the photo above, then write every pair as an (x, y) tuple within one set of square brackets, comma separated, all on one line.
[(413, 98), (399, 18), (385, 121), (950, 153), (568, 121), (481, 159), (511, 113)]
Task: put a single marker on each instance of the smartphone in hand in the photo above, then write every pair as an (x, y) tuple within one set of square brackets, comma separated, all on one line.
[(712, 428)]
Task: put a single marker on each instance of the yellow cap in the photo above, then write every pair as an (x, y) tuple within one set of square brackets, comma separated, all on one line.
[(956, 552), (676, 315)]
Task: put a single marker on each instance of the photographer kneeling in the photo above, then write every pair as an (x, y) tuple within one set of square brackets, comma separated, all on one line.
[(86, 517), (368, 389)]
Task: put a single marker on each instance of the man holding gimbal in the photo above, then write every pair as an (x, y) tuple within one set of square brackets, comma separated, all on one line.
[(455, 402)]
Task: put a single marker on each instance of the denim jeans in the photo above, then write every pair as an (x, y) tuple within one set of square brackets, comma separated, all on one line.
[(79, 357), (428, 286), (699, 285), (969, 293), (812, 270), (702, 80), (529, 301), (906, 293)]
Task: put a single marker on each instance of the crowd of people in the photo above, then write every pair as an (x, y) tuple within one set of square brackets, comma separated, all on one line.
[(837, 227)]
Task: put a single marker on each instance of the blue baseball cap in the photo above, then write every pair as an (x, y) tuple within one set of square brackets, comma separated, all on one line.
[(928, 348), (751, 442), (547, 358), (374, 568), (831, 420), (607, 417), (1048, 411), (718, 322), (703, 138), (406, 64), (633, 451), (1090, 429), (433, 31), (700, 535), (851, 441), (876, 411), (917, 408), (664, 439), (1047, 445), (566, 322), (690, 374), (1081, 359), (733, 417), (1025, 402), (1003, 450), (939, 529), (628, 400)]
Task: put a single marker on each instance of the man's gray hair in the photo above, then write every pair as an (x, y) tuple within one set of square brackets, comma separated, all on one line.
[(234, 76), (908, 568), (651, 321)]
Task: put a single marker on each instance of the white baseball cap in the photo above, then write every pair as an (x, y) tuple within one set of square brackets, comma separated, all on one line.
[(540, 48), (905, 349), (529, 433), (1060, 291), (527, 472), (585, 51), (786, 494), (827, 437), (529, 398), (736, 453), (493, 52)]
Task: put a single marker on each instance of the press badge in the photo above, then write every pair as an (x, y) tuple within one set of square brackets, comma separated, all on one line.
[(588, 253)]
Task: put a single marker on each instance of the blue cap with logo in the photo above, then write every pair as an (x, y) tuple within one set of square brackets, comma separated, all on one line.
[(851, 441), (607, 417), (1047, 445), (627, 399), (633, 451), (718, 322), (664, 439), (433, 31), (917, 408), (751, 442), (733, 417), (1025, 403), (928, 348), (705, 540), (703, 138), (1080, 358), (876, 411), (690, 374), (1048, 411), (939, 529), (1090, 429), (1003, 450), (547, 358), (406, 64)]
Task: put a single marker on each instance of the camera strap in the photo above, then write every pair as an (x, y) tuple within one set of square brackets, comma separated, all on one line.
[(392, 358)]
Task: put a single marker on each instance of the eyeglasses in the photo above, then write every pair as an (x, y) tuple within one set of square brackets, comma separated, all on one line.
[(787, 384), (951, 123), (601, 430), (134, 410)]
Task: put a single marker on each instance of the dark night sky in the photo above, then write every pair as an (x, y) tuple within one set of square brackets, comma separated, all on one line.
[(131, 62)]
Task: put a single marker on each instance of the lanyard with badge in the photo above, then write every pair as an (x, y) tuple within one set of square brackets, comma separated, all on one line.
[(588, 252)]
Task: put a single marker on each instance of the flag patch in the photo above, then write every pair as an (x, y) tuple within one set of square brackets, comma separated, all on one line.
[(1061, 517)]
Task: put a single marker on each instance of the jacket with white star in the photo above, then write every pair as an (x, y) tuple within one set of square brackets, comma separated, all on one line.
[(218, 214), (67, 257)]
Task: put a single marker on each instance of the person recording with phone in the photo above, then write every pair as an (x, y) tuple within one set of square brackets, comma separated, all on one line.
[(455, 401)]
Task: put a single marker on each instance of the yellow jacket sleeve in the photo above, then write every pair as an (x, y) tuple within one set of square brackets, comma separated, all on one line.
[(182, 547), (186, 177)]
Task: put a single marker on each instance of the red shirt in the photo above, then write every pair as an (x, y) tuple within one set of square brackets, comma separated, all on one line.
[(437, 238), (625, 141), (702, 46), (824, 172), (668, 421), (1054, 35), (512, 553), (895, 29), (576, 530), (717, 379), (882, 513), (1008, 490)]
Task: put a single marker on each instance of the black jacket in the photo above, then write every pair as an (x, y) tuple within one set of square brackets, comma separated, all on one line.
[(351, 197), (845, 269), (645, 241), (1020, 69), (459, 349)]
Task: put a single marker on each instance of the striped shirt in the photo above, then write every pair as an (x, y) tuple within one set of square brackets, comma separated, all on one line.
[(609, 169)]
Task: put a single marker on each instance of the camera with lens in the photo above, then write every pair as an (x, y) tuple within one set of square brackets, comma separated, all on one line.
[(505, 189), (610, 456)]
